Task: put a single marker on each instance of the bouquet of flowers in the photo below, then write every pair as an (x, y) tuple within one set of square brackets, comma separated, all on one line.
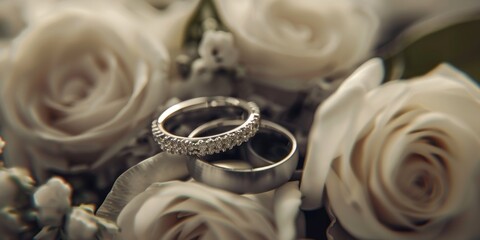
[(272, 119)]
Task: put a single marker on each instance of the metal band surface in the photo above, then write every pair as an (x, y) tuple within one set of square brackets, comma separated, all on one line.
[(206, 145), (271, 174)]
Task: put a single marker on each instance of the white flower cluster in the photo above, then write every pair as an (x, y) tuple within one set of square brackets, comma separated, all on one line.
[(15, 213), (23, 209), (217, 50), (58, 218), (53, 200)]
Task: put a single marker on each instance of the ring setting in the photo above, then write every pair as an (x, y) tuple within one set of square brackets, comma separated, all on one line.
[(207, 145)]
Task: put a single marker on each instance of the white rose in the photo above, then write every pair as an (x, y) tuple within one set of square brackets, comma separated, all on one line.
[(52, 201), (188, 210), (285, 43), (399, 160), (130, 198), (81, 81)]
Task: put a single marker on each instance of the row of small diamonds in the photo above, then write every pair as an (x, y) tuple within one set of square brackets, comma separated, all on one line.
[(228, 141), (201, 147)]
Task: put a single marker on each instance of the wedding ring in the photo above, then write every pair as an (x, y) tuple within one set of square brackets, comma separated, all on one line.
[(201, 110), (271, 157)]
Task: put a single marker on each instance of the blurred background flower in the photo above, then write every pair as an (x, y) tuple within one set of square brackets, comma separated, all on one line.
[(285, 44), (45, 212), (74, 96)]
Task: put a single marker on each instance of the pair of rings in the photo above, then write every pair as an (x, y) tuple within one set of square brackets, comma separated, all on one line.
[(215, 126)]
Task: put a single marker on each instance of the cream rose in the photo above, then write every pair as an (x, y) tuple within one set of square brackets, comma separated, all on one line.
[(81, 81), (189, 210), (399, 160), (148, 202), (285, 43)]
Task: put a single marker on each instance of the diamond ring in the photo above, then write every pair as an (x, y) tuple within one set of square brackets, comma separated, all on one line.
[(197, 111)]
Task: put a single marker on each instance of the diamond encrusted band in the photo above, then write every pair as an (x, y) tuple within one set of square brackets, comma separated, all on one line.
[(206, 145)]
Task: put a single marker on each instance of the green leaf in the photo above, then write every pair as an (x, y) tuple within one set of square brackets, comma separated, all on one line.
[(205, 18), (452, 38)]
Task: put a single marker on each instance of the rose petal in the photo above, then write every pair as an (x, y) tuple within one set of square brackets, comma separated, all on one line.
[(445, 96), (287, 206), (159, 168), (335, 230), (358, 222), (341, 111), (450, 73)]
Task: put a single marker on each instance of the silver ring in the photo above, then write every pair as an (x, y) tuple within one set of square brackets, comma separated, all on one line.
[(264, 174), (206, 145)]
